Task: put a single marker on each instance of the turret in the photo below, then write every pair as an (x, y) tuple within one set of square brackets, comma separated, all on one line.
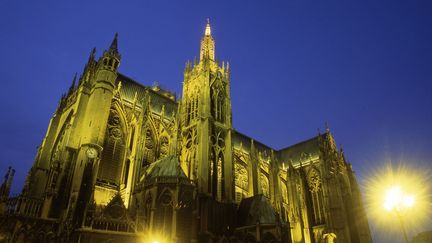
[(110, 59), (101, 87)]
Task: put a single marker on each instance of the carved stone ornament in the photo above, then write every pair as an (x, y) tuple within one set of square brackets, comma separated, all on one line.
[(314, 181), (241, 176), (114, 126), (264, 184)]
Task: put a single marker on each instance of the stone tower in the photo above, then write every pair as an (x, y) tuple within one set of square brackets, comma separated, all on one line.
[(206, 126)]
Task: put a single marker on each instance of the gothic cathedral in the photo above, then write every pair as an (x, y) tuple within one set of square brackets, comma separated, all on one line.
[(125, 162)]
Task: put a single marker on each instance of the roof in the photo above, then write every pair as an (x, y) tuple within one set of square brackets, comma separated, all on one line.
[(168, 166), (295, 152), (157, 98), (239, 137), (254, 209)]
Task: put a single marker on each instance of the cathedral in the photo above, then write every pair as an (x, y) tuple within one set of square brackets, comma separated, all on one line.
[(126, 162)]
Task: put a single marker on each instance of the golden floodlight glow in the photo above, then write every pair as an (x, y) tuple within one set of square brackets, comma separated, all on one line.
[(395, 199), (399, 193), (155, 237)]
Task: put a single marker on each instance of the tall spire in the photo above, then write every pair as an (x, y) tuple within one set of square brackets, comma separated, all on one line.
[(72, 87), (207, 44), (92, 55), (208, 28), (113, 48)]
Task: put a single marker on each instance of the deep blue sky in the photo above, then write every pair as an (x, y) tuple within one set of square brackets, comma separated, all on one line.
[(362, 66)]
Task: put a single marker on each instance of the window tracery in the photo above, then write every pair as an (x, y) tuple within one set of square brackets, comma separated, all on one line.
[(164, 145), (217, 101), (113, 149), (264, 181), (188, 153), (315, 190), (149, 148), (241, 180)]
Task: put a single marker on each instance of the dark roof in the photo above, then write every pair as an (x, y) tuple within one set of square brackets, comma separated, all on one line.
[(307, 147), (165, 167), (254, 209), (239, 137), (158, 99)]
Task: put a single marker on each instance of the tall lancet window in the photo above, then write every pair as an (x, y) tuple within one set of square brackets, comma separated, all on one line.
[(241, 179), (264, 182), (217, 102), (149, 155), (113, 150), (191, 109), (315, 189)]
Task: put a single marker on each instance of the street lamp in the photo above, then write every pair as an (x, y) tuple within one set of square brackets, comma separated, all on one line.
[(398, 202)]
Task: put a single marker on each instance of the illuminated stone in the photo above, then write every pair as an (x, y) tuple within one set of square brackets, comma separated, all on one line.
[(177, 170)]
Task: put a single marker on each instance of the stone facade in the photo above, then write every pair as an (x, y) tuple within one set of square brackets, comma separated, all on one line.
[(125, 162)]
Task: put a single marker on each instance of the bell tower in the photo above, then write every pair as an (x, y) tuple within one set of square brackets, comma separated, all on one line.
[(206, 126)]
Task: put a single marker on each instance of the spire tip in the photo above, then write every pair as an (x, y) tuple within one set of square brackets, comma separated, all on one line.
[(208, 28)]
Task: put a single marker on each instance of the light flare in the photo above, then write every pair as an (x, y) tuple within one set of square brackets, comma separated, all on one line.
[(401, 191)]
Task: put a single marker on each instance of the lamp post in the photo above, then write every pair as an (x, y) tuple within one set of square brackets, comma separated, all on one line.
[(398, 202)]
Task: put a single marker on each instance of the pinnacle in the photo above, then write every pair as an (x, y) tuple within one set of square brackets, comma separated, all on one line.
[(113, 47), (208, 28)]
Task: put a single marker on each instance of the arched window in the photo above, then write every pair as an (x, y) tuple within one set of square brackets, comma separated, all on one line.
[(164, 212), (164, 146), (126, 172), (264, 181), (149, 148), (59, 143), (241, 180), (315, 190), (147, 211), (220, 107), (113, 150), (284, 198), (217, 103)]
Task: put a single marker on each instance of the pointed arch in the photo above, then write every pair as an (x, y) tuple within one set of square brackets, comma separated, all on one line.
[(314, 181), (164, 211), (217, 99), (242, 177), (114, 147), (265, 184), (150, 136), (59, 142)]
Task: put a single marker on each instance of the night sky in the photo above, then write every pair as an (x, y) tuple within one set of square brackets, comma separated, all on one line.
[(364, 67)]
